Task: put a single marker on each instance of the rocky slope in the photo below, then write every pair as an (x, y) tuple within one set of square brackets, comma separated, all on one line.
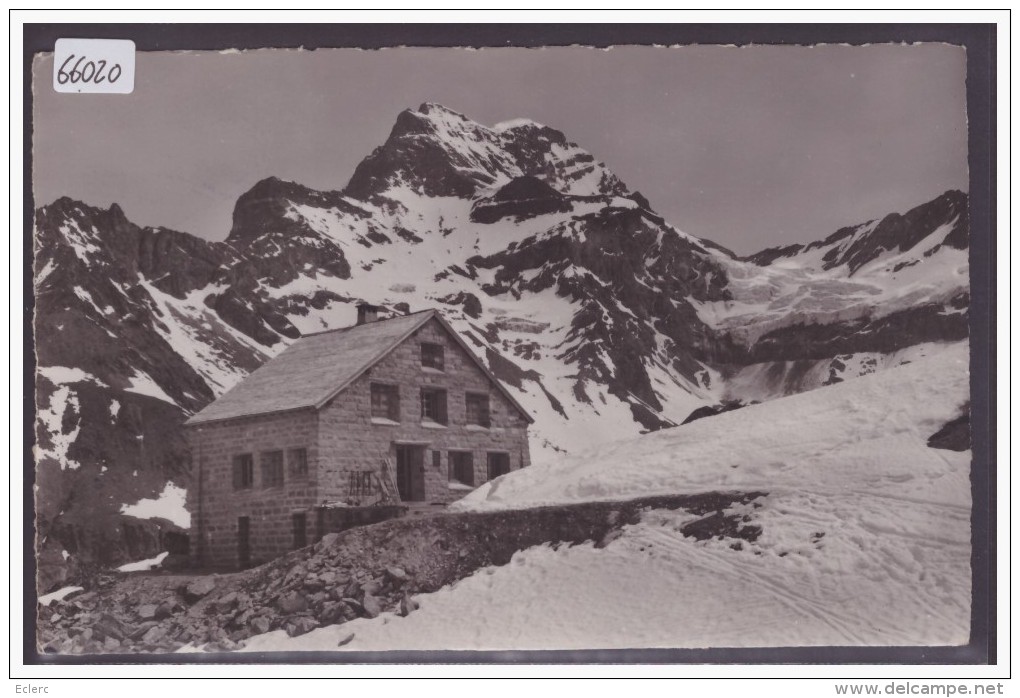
[(359, 573), (601, 317)]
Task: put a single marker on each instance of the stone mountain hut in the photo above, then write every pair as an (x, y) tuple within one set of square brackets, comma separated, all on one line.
[(346, 426)]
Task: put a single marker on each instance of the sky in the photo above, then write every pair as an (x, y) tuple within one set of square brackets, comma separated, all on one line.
[(749, 147)]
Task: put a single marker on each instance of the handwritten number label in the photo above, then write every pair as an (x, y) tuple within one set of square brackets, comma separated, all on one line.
[(91, 71), (94, 65)]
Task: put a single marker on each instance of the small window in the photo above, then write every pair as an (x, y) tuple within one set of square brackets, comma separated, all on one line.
[(385, 402), (297, 461), (462, 467), (433, 405), (432, 356), (437, 459), (271, 463), (478, 409), (498, 464), (244, 471)]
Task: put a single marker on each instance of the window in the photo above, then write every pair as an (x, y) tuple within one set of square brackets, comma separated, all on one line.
[(432, 356), (498, 464), (437, 459), (297, 461), (272, 468), (244, 471), (433, 405), (478, 409), (462, 467), (385, 402)]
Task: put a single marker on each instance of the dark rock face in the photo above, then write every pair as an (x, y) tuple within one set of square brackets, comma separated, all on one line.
[(523, 198), (712, 410), (267, 208), (467, 301), (954, 434), (927, 323), (530, 143), (631, 277), (894, 232), (198, 588)]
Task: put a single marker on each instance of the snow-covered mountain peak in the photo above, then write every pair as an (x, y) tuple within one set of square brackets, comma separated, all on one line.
[(436, 151), (520, 123), (434, 119)]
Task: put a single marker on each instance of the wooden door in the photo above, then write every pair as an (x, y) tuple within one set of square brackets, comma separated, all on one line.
[(411, 473), (243, 542), (299, 524)]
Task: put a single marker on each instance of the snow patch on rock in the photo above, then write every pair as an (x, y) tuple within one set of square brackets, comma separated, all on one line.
[(169, 505)]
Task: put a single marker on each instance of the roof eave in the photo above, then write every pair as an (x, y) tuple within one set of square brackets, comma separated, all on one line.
[(215, 420)]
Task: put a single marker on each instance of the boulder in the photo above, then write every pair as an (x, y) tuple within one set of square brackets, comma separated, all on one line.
[(227, 645), (147, 611), (198, 589), (352, 590), (407, 605), (153, 635), (294, 574), (242, 618), (109, 625), (396, 574), (167, 608), (301, 625), (292, 602), (141, 629), (259, 625), (371, 605), (226, 603), (328, 541), (314, 583), (331, 613)]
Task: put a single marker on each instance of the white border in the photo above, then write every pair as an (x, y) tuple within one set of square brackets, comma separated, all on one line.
[(725, 679)]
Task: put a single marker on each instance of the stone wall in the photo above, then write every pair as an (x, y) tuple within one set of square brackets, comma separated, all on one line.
[(214, 519), (350, 440)]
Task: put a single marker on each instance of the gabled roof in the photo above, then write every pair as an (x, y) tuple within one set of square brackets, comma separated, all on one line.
[(317, 367)]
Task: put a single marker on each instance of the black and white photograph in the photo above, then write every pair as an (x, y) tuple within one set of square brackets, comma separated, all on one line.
[(505, 349)]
